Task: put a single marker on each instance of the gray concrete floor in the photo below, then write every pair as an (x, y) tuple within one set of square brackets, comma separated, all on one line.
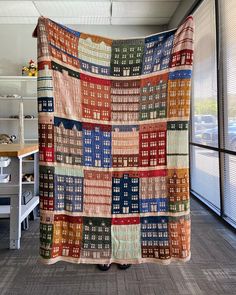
[(211, 270)]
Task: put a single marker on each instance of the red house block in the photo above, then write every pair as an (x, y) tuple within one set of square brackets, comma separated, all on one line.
[(152, 144), (95, 94), (67, 236)]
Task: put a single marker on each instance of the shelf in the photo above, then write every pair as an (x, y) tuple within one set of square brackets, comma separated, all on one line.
[(25, 209), (4, 178), (9, 119), (18, 78), (4, 211), (29, 207), (28, 161), (19, 98), (28, 182), (15, 119), (31, 139)]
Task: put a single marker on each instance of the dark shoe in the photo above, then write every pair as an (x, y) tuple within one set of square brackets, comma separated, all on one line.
[(104, 267), (124, 266)]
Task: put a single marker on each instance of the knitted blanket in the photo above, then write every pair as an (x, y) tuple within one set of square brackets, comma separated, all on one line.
[(113, 145)]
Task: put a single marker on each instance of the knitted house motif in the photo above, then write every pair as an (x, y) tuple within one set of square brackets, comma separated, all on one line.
[(157, 52), (68, 190), (182, 52), (67, 236), (155, 237), (153, 191), (125, 233), (46, 139), (125, 145), (90, 61), (95, 94), (125, 100), (68, 139), (96, 145), (179, 94), (46, 236), (63, 44), (97, 192), (152, 144), (178, 190), (67, 100), (179, 234), (45, 87), (125, 193), (177, 132), (126, 57), (46, 188), (43, 41), (96, 238), (154, 97)]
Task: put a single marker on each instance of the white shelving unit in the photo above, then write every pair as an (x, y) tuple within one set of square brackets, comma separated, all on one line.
[(15, 187), (25, 209), (26, 87), (17, 78), (4, 162)]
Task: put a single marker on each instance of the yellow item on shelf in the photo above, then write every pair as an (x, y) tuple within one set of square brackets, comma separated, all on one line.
[(31, 70)]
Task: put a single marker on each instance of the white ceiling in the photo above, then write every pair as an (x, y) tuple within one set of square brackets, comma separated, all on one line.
[(101, 12)]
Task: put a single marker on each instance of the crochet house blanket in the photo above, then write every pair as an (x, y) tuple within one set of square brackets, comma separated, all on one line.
[(113, 145)]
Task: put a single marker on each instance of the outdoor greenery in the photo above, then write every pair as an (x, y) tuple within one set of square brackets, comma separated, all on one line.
[(205, 107), (208, 106)]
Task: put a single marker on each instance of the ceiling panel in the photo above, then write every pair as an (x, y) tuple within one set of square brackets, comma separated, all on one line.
[(95, 20), (64, 0), (139, 21), (143, 9), (147, 1), (18, 8), (73, 8), (124, 12)]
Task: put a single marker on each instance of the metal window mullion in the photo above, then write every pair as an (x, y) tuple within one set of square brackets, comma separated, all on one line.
[(220, 105), (190, 130)]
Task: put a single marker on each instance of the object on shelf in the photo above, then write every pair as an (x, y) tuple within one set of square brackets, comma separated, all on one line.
[(14, 117), (30, 157), (11, 96), (29, 116), (30, 70), (28, 177), (4, 178), (26, 116), (26, 197), (4, 162), (6, 139)]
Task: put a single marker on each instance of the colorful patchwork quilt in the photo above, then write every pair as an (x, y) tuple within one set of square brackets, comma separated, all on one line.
[(113, 145)]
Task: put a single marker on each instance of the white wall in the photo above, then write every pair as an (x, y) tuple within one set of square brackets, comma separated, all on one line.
[(180, 12), (18, 47)]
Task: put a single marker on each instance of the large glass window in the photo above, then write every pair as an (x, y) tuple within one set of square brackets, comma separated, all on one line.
[(227, 10), (213, 143), (204, 102), (204, 162), (204, 167)]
